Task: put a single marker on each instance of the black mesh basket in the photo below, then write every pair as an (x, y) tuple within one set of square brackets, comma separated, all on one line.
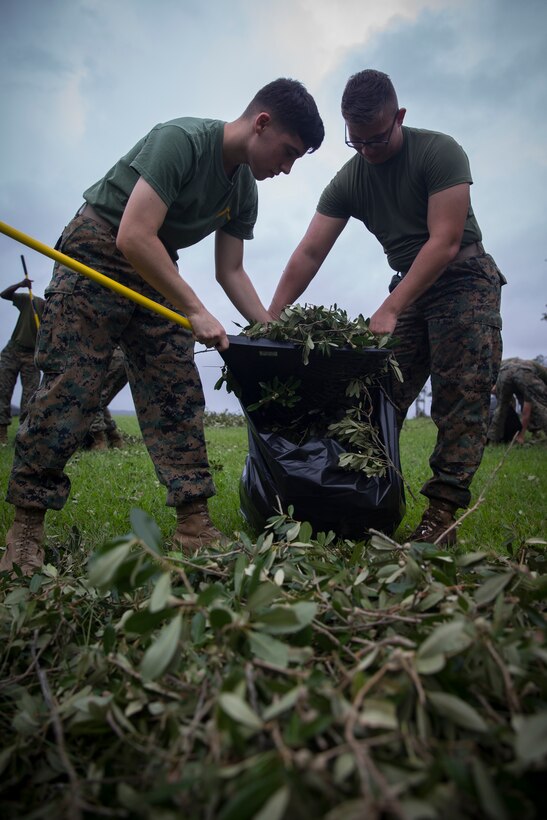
[(323, 379)]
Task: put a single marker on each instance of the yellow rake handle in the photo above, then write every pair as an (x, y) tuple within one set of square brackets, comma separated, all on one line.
[(68, 262)]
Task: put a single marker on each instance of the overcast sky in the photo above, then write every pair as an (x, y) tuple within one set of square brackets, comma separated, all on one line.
[(82, 80)]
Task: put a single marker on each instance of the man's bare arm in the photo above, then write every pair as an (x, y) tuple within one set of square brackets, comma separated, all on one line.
[(231, 275), (446, 215), (138, 240), (8, 292), (311, 252)]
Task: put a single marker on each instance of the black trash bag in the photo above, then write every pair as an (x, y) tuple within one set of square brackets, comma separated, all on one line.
[(278, 472), (306, 475)]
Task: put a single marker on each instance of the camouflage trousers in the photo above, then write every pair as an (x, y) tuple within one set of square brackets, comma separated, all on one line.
[(453, 334), (81, 325), (16, 361), (116, 379)]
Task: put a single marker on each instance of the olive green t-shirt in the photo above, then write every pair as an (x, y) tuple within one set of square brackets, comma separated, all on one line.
[(182, 161), (24, 332), (392, 198)]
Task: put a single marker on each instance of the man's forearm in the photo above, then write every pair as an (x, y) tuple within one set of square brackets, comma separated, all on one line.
[(296, 277), (8, 292), (242, 294), (151, 261), (427, 267)]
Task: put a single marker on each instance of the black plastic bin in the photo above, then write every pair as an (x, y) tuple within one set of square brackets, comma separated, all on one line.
[(306, 475)]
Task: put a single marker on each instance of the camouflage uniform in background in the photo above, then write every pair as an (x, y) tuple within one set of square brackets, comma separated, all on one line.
[(527, 381), (17, 358), (82, 324), (116, 379)]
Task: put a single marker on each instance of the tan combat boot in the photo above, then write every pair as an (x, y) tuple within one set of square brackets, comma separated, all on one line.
[(25, 542), (436, 520), (3, 434), (195, 528), (116, 440), (100, 441)]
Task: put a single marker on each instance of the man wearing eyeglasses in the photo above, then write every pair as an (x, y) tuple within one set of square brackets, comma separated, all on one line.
[(410, 188)]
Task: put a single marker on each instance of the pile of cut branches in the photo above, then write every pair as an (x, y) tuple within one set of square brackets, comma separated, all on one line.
[(283, 679), (318, 331)]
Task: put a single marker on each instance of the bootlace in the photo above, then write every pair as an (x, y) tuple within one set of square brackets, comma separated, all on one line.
[(434, 524)]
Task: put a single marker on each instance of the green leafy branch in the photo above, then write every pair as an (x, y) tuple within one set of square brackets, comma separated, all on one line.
[(289, 677), (319, 330)]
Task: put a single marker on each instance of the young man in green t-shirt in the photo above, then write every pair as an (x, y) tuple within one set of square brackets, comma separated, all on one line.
[(186, 179), (410, 188)]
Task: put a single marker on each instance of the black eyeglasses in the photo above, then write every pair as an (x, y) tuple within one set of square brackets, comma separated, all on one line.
[(360, 144)]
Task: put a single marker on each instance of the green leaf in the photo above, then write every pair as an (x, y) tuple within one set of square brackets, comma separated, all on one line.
[(109, 638), (239, 710), (275, 806), (279, 620), (305, 533), (492, 588), (161, 593), (145, 528), (431, 664), (379, 714), (210, 594), (415, 809), (104, 567), (379, 542), (282, 704), (491, 802), (284, 620), (145, 621), (431, 600), (305, 612), (269, 649), (219, 617), (239, 572), (344, 766), (5, 755), (469, 558), (159, 655), (197, 629), (457, 711), (447, 639), (293, 531), (264, 594), (531, 737)]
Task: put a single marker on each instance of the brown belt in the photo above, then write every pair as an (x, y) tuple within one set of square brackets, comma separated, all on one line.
[(89, 211)]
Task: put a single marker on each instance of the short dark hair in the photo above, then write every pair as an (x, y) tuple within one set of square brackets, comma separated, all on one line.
[(291, 107), (366, 94)]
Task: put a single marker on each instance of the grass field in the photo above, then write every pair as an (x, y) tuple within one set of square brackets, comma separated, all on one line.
[(282, 678), (106, 485)]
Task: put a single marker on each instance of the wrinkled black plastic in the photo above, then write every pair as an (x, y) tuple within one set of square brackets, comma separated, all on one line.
[(279, 472)]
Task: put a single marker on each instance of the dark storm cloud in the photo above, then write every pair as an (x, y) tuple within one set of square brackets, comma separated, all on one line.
[(492, 51)]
